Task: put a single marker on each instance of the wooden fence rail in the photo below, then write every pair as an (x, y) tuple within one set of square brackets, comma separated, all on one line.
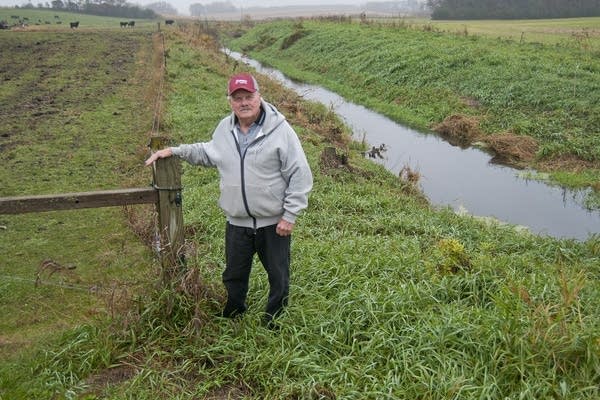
[(165, 193), (71, 201)]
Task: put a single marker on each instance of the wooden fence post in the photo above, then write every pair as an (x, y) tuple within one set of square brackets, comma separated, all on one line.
[(167, 180)]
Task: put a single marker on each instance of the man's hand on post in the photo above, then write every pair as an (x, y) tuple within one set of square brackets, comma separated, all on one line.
[(164, 153)]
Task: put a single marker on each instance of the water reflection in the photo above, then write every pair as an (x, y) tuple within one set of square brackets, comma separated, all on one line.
[(463, 179)]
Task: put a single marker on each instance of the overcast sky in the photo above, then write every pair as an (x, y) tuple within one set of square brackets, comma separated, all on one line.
[(183, 5)]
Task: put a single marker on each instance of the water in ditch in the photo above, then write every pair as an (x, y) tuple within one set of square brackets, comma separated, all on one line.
[(464, 179)]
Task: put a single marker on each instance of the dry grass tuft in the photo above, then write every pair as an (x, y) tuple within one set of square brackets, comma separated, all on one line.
[(459, 130), (512, 149), (119, 298), (200, 293), (568, 162), (51, 267), (408, 175), (331, 160), (142, 221)]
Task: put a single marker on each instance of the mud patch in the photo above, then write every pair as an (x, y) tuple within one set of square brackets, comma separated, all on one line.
[(229, 392), (459, 130), (108, 377)]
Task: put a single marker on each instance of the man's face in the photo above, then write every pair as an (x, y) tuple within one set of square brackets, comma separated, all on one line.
[(245, 105)]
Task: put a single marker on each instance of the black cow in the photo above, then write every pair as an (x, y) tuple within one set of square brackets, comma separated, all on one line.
[(123, 24), (131, 23), (169, 22), (74, 24)]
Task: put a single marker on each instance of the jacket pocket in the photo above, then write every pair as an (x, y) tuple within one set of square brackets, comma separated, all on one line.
[(231, 201), (265, 201)]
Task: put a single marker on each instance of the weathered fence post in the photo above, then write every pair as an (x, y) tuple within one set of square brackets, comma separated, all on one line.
[(167, 180)]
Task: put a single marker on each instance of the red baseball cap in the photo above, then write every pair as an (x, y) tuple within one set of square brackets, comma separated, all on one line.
[(242, 81)]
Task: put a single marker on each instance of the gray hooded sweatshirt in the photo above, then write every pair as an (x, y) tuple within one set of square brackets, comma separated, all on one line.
[(269, 181)]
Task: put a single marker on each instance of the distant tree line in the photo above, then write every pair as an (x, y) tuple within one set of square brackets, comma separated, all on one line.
[(162, 7), (395, 7), (216, 7), (108, 8), (512, 9)]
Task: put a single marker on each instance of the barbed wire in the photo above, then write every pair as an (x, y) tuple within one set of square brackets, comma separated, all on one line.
[(159, 94), (89, 289), (92, 289)]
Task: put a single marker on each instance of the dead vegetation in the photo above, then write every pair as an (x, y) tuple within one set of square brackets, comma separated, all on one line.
[(50, 267), (512, 149), (99, 382), (332, 160), (142, 220), (459, 130), (315, 118), (200, 293), (569, 163), (507, 147), (409, 175)]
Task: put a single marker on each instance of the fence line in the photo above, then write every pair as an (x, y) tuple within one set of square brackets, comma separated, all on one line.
[(165, 193), (71, 201)]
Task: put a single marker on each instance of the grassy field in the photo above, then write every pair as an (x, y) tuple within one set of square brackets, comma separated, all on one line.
[(579, 32), (52, 20), (390, 298), (75, 110), (535, 104)]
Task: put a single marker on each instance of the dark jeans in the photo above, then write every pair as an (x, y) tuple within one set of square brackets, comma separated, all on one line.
[(274, 253)]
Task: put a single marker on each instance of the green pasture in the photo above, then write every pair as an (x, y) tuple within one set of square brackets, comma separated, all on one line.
[(579, 32), (73, 120), (40, 19), (390, 298)]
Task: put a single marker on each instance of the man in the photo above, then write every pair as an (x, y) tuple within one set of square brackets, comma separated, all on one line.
[(265, 181)]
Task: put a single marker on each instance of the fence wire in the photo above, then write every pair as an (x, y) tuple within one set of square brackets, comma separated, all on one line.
[(159, 94)]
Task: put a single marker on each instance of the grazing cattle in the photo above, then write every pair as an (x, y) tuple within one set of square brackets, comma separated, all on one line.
[(4, 25), (74, 24), (131, 23), (169, 22), (123, 24)]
